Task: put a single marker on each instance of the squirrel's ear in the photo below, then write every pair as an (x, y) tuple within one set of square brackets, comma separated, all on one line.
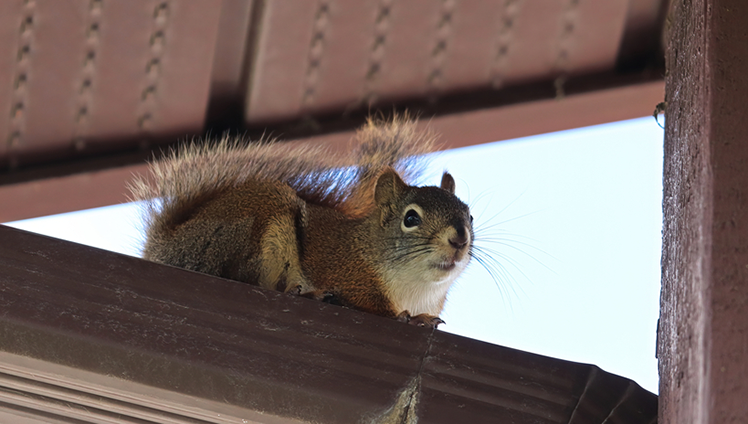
[(389, 187), (448, 182)]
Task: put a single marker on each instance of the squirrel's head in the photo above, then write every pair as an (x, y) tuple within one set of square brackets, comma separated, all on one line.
[(428, 237)]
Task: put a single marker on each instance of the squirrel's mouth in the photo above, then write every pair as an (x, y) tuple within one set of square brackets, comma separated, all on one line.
[(448, 265)]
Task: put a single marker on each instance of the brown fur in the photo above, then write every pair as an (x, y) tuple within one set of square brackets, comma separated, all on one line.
[(300, 220)]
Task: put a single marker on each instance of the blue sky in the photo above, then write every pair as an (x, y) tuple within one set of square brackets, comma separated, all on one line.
[(574, 222)]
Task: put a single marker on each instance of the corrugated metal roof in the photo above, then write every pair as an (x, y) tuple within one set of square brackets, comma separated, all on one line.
[(89, 85)]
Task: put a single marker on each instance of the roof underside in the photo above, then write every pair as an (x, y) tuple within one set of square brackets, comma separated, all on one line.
[(93, 88)]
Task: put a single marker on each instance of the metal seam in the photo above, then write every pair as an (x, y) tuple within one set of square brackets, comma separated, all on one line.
[(504, 40), (377, 51), (439, 52), (153, 66), (567, 32), (20, 84), (316, 51), (88, 71)]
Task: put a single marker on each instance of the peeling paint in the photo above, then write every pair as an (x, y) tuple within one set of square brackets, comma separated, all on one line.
[(404, 409)]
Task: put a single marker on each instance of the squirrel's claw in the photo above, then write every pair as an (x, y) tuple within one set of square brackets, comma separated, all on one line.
[(420, 320), (323, 296), (295, 290)]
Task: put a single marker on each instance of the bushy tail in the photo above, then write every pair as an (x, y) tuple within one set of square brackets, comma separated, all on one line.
[(346, 182), (394, 143)]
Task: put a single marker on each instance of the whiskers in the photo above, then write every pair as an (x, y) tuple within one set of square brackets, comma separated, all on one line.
[(504, 254), (408, 252)]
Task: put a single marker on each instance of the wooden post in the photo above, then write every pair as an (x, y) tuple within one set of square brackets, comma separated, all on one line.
[(703, 333)]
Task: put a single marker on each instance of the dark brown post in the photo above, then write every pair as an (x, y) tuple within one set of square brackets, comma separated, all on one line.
[(703, 334)]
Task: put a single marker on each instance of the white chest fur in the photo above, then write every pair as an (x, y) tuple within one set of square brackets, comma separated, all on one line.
[(421, 291)]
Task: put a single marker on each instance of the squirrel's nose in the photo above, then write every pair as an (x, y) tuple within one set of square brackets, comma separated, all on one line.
[(458, 241)]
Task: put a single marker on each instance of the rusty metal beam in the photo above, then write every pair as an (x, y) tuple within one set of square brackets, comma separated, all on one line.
[(103, 181), (703, 334)]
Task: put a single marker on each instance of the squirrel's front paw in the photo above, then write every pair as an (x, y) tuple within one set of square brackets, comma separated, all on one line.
[(323, 296), (421, 320)]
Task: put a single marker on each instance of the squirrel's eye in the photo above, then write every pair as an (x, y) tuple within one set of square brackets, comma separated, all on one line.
[(411, 219), (471, 219)]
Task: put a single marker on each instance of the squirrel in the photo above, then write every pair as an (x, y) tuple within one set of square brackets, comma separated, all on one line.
[(346, 229)]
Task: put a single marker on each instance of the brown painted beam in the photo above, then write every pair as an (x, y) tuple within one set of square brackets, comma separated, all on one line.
[(89, 186), (95, 336), (703, 334)]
